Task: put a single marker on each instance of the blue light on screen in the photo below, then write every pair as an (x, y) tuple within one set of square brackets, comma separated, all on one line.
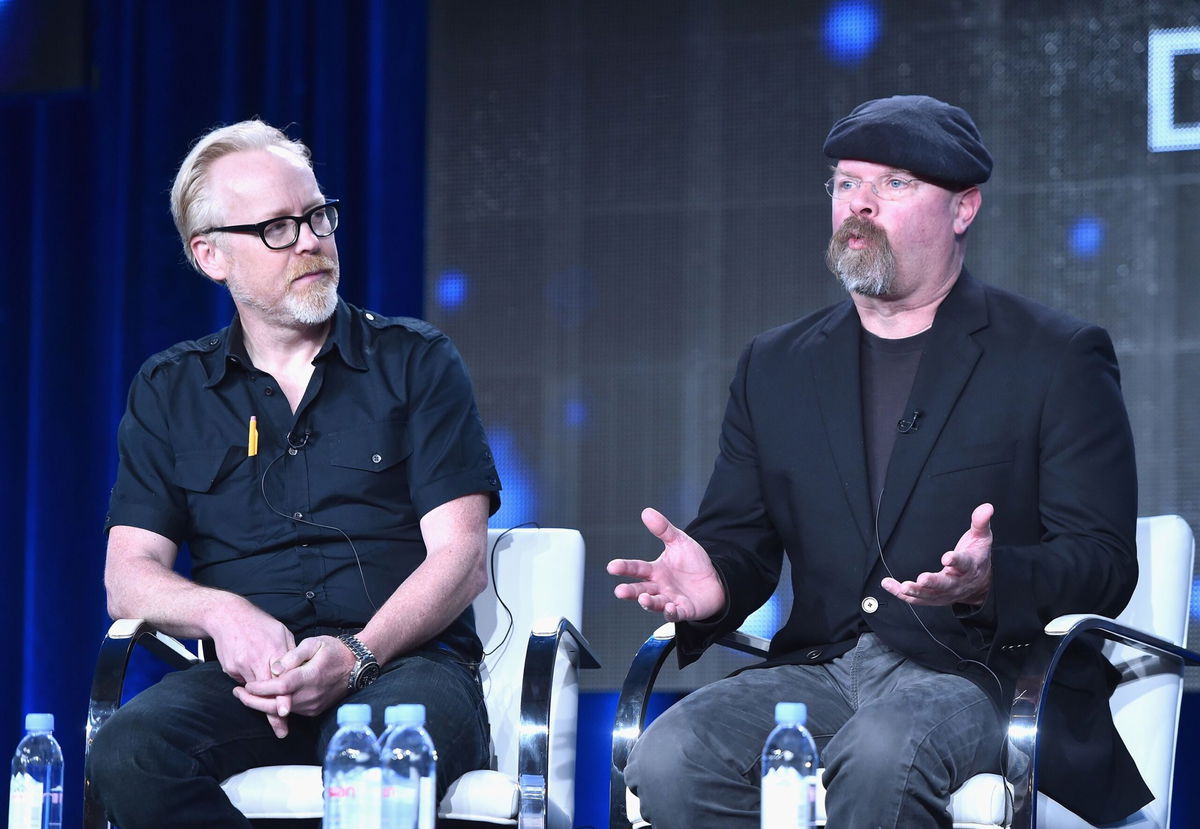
[(852, 29), (575, 413), (1086, 237), (518, 498), (451, 288), (1195, 606)]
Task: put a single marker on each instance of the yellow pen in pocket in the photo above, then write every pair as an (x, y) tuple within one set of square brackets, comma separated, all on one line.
[(252, 441)]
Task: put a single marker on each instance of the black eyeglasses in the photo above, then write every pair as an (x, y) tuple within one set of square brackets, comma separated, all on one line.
[(283, 231)]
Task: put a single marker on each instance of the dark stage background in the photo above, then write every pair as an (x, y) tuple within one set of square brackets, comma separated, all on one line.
[(600, 202), (622, 194)]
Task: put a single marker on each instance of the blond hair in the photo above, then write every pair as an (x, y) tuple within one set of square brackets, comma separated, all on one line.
[(192, 207)]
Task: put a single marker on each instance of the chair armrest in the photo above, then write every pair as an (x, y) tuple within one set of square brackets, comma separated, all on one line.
[(746, 643), (630, 718), (1033, 684), (631, 714), (547, 640), (108, 683)]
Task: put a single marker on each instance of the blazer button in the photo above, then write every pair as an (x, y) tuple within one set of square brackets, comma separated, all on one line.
[(813, 654), (870, 604)]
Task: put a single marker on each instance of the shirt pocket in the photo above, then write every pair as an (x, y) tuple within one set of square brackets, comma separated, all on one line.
[(371, 462), (221, 484)]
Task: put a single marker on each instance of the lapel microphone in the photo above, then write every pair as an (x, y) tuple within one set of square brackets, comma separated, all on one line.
[(909, 424)]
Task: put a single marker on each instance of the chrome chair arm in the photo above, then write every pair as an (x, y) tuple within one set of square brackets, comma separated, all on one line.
[(108, 683), (546, 641), (1033, 685), (632, 703)]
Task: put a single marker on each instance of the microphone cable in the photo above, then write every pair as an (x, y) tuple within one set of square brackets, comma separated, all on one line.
[(262, 485), (1003, 758)]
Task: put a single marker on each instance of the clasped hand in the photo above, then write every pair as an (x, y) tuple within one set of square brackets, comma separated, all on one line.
[(306, 680), (275, 675)]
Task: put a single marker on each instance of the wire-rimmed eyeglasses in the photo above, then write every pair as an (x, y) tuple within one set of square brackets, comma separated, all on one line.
[(889, 186), (283, 231)]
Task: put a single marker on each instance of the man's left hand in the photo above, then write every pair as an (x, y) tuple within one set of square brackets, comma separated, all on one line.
[(966, 574), (307, 680)]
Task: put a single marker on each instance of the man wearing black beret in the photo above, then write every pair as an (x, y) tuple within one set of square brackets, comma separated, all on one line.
[(947, 467)]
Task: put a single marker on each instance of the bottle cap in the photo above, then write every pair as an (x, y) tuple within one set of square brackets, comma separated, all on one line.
[(354, 714), (39, 722), (410, 714), (788, 713)]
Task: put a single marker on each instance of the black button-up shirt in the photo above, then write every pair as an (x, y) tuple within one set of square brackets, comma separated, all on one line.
[(387, 430)]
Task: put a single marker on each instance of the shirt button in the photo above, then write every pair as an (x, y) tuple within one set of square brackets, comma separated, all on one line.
[(369, 316), (268, 391), (292, 450), (214, 341), (376, 458), (297, 515), (310, 595), (870, 604)]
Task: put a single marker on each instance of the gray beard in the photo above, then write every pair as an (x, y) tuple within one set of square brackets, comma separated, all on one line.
[(869, 271)]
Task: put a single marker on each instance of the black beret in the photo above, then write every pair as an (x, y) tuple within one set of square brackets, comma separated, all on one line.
[(917, 133)]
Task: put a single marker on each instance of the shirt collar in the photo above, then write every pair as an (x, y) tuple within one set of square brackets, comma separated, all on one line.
[(229, 346)]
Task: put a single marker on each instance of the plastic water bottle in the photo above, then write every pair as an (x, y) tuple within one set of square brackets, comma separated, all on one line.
[(35, 793), (352, 772), (409, 764), (789, 771)]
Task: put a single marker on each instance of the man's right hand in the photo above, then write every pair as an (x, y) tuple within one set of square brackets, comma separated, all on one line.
[(681, 583), (248, 640)]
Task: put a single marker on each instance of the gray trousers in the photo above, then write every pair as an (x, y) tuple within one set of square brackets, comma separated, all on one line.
[(895, 739)]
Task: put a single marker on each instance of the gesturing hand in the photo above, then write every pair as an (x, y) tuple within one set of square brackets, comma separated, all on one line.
[(681, 583), (966, 574)]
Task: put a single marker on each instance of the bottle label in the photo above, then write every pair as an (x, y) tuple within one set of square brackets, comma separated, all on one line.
[(399, 802), (24, 802), (427, 800), (352, 800), (788, 799)]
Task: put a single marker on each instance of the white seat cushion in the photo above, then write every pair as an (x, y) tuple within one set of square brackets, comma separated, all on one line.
[(296, 791), (277, 792), (486, 796)]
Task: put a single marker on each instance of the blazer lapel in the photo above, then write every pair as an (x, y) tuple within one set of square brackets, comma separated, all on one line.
[(945, 367), (834, 359)]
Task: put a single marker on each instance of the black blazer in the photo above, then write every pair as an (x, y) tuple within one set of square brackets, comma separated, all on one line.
[(1020, 407)]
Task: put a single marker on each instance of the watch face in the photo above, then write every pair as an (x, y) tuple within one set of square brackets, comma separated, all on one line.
[(368, 674)]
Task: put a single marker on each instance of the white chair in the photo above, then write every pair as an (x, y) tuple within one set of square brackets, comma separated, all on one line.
[(530, 686), (1146, 642)]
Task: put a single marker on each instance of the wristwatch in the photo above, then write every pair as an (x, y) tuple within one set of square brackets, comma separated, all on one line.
[(366, 667)]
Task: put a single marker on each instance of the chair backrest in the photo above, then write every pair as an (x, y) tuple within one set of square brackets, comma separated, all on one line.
[(1146, 708), (538, 574)]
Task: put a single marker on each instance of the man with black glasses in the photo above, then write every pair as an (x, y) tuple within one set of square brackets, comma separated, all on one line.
[(328, 469), (947, 467)]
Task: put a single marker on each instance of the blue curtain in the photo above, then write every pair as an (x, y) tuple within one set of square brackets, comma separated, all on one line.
[(95, 280)]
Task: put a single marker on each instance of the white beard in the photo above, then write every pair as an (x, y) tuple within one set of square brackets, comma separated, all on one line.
[(315, 305)]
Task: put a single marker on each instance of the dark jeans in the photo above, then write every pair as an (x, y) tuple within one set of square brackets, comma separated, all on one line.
[(895, 738), (159, 761)]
